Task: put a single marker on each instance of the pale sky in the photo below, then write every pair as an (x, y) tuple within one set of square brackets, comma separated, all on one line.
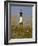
[(26, 10)]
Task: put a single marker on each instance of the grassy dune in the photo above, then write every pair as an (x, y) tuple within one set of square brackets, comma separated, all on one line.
[(21, 31)]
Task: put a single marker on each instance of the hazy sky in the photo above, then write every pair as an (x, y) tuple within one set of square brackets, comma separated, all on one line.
[(16, 9)]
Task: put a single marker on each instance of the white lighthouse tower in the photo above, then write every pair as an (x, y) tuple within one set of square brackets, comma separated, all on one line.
[(21, 18)]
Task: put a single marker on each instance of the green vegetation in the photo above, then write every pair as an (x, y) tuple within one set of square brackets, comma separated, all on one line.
[(21, 31)]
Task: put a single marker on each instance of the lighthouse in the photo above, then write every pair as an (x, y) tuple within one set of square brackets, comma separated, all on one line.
[(21, 17)]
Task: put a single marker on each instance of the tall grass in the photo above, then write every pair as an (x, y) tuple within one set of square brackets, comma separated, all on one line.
[(21, 31)]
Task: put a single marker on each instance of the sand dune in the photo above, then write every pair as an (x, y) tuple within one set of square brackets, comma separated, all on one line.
[(26, 19)]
